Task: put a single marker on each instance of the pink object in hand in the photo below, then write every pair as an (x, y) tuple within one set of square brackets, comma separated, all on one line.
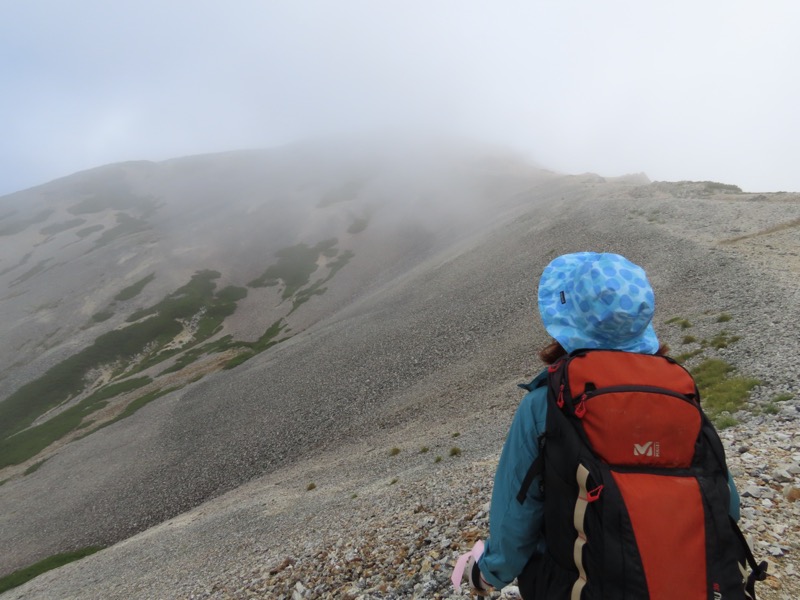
[(458, 571)]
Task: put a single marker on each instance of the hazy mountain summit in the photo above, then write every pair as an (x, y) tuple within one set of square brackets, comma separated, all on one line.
[(172, 330)]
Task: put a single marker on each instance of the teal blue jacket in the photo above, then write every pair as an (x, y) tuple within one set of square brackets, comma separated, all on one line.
[(515, 529)]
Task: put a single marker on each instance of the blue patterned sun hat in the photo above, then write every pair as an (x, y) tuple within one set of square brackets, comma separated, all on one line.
[(592, 300)]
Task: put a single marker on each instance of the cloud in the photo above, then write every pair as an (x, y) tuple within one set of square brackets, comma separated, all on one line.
[(680, 90)]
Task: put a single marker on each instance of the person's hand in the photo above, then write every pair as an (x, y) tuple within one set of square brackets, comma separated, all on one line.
[(477, 584)]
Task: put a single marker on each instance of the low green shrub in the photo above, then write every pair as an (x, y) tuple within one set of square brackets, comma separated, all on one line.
[(683, 357), (239, 359), (28, 443), (134, 290), (34, 467), (21, 576), (142, 401), (725, 421), (126, 225), (358, 225), (683, 323), (720, 391), (103, 315), (722, 340), (59, 227)]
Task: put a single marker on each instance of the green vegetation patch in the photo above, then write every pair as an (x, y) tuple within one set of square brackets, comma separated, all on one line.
[(294, 267), (109, 191), (126, 225), (239, 359), (714, 186), (185, 302), (19, 447), (684, 356), (722, 340), (134, 290), (336, 265), (34, 467), (247, 349), (725, 421), (196, 298), (266, 341), (232, 293), (683, 323), (359, 225), (21, 576), (141, 341), (21, 262), (317, 289), (192, 354), (139, 403), (134, 347), (103, 315), (724, 318), (306, 294), (59, 227), (23, 224), (720, 391), (39, 268)]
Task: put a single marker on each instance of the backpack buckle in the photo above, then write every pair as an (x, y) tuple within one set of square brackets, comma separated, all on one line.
[(593, 495), (580, 408)]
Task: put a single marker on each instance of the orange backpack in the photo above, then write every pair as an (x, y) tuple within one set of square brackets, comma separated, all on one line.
[(635, 485)]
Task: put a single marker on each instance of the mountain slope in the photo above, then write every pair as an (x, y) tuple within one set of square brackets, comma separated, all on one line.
[(431, 322)]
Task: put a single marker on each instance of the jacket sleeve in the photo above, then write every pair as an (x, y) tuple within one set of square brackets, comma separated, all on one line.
[(733, 510), (515, 529)]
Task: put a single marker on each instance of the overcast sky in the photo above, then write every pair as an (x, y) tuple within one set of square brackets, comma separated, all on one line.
[(679, 90)]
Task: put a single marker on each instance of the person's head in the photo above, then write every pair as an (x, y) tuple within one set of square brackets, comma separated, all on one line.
[(590, 300)]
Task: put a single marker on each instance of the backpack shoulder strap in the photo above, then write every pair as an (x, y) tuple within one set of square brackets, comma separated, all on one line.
[(537, 466), (758, 571), (536, 469), (539, 381)]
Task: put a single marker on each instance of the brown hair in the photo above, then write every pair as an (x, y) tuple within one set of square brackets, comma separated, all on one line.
[(553, 351)]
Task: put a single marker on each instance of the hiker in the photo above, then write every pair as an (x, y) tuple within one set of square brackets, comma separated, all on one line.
[(597, 303)]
